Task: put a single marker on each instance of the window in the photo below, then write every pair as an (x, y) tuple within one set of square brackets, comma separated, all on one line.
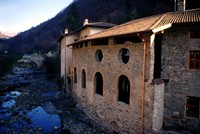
[(83, 79), (124, 39), (124, 55), (81, 45), (99, 55), (98, 79), (123, 89), (77, 46), (97, 42), (75, 76), (86, 44), (194, 60), (192, 108)]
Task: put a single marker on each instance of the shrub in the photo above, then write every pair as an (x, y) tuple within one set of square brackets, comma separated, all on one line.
[(52, 66), (7, 62)]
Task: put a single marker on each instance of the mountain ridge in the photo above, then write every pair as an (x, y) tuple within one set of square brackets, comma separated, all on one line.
[(3, 36)]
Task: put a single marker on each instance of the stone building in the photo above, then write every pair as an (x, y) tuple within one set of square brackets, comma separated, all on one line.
[(69, 37), (141, 76)]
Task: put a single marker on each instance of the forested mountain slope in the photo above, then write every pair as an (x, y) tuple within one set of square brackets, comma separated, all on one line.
[(43, 38)]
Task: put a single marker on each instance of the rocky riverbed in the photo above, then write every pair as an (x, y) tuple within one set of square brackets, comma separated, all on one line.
[(30, 102)]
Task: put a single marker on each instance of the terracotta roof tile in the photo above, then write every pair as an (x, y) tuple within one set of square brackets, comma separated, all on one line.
[(138, 25), (149, 23), (101, 24), (180, 17)]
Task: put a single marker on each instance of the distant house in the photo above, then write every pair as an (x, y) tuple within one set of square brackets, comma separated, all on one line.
[(141, 76), (67, 38)]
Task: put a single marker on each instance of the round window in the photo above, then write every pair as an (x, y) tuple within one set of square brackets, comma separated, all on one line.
[(99, 55), (124, 55)]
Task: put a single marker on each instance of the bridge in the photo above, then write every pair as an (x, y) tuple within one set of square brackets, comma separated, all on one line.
[(36, 59)]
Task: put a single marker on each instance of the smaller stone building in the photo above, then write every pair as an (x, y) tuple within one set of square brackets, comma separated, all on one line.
[(70, 37)]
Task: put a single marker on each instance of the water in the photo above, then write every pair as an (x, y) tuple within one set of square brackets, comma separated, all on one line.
[(8, 104), (47, 122), (7, 100), (15, 118)]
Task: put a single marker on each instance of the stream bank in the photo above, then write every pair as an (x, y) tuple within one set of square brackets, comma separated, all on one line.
[(30, 102)]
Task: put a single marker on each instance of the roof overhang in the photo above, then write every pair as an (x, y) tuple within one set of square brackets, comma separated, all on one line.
[(62, 36), (113, 36), (161, 28)]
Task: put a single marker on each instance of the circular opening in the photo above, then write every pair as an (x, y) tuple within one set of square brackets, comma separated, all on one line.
[(124, 55), (99, 55)]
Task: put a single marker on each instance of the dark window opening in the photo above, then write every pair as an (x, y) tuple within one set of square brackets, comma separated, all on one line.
[(83, 79), (192, 108), (123, 39), (77, 46), (75, 76), (99, 55), (86, 44), (81, 45), (123, 89), (157, 53), (124, 55), (100, 42), (194, 60), (98, 83), (195, 33)]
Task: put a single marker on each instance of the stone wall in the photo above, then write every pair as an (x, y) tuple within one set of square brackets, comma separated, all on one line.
[(183, 81), (116, 116), (106, 110), (158, 108)]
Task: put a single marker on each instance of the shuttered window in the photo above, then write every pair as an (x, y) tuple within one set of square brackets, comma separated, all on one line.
[(194, 60)]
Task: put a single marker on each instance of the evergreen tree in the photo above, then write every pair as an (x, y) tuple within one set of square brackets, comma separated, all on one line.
[(73, 19)]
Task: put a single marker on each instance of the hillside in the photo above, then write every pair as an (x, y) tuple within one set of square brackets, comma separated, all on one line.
[(43, 38)]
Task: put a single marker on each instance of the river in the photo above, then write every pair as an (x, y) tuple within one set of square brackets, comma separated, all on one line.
[(31, 102)]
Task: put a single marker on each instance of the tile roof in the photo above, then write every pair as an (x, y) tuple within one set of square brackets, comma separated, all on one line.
[(180, 17), (138, 25), (94, 24), (100, 24), (149, 23)]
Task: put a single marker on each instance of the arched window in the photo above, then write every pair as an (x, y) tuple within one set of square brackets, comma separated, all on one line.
[(83, 79), (123, 89), (98, 81), (75, 76)]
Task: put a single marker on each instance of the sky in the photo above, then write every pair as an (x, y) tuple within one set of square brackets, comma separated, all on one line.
[(20, 15)]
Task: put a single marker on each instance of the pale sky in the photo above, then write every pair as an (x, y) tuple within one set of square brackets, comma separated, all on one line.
[(20, 15)]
